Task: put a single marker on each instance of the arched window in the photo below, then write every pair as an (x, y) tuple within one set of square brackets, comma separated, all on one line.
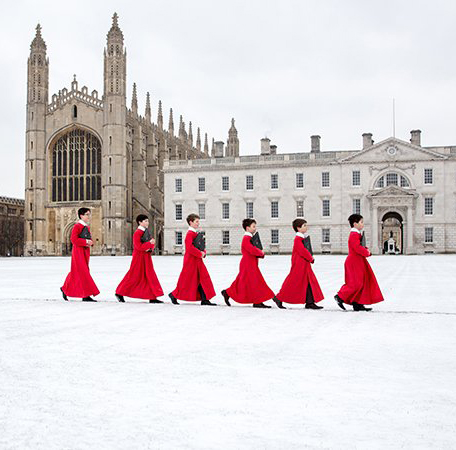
[(76, 167), (392, 179)]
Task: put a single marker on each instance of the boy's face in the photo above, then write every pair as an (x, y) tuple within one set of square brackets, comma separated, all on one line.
[(85, 217), (195, 224), (144, 223), (359, 225), (251, 228), (303, 228)]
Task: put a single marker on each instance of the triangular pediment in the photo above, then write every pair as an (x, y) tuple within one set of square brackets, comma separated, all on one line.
[(391, 150), (393, 191)]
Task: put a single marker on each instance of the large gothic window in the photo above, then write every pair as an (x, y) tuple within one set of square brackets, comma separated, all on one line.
[(76, 167)]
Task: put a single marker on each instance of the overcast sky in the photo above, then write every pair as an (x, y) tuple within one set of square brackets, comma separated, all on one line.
[(286, 69)]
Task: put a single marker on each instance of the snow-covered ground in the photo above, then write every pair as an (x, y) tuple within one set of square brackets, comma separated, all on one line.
[(138, 376)]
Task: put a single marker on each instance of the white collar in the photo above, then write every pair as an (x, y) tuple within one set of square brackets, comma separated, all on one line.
[(83, 223), (355, 230), (192, 229), (140, 227), (302, 235), (248, 234)]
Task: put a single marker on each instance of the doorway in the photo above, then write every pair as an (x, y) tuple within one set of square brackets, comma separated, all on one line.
[(392, 242)]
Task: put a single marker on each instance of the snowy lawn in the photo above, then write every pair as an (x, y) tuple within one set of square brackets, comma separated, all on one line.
[(137, 376)]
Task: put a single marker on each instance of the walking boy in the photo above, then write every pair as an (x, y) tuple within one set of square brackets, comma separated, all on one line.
[(141, 280), (79, 282), (249, 286), (301, 285), (361, 287), (194, 282)]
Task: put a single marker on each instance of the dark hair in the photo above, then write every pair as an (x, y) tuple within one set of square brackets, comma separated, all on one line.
[(354, 218), (141, 218), (298, 223), (247, 222), (82, 211), (192, 217)]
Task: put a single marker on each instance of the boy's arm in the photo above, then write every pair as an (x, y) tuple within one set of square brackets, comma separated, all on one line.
[(303, 252), (355, 244), (250, 248), (76, 240), (141, 246), (190, 248)]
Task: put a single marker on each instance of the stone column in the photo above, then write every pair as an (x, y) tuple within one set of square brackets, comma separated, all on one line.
[(409, 250), (374, 244)]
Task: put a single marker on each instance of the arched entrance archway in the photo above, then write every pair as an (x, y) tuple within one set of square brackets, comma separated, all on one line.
[(67, 246), (160, 243), (392, 241)]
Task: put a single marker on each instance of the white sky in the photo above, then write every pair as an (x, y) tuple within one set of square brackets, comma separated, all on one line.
[(286, 69)]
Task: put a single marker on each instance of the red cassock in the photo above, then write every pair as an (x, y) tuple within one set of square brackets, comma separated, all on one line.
[(79, 282), (193, 274), (360, 283), (294, 288), (249, 286), (141, 280)]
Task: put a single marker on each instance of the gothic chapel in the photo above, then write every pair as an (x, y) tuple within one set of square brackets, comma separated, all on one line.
[(85, 150)]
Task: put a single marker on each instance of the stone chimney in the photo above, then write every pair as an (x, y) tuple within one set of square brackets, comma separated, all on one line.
[(315, 143), (367, 140), (415, 137), (265, 146), (219, 149), (273, 149)]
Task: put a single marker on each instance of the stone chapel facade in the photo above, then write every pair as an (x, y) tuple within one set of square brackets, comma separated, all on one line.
[(83, 149)]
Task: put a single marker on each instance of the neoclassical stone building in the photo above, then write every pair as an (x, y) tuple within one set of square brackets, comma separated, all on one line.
[(91, 150), (406, 193)]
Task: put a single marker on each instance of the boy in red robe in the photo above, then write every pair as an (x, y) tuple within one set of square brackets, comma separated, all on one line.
[(194, 282), (361, 287), (141, 280), (301, 285), (249, 286), (79, 282)]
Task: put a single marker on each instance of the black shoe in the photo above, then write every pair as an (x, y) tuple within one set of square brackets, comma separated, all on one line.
[(313, 306), (226, 297), (278, 303), (359, 307), (154, 300), (340, 302), (208, 303), (120, 298), (173, 299), (88, 299), (260, 305), (64, 295)]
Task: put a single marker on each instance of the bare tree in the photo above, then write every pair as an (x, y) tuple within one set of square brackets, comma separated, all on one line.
[(11, 236)]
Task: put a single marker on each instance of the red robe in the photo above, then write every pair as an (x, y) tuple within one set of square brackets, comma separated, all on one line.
[(193, 274), (141, 280), (249, 286), (79, 282), (360, 283), (294, 288)]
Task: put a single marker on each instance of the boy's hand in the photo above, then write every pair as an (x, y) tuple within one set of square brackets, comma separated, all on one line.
[(89, 242), (152, 241)]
